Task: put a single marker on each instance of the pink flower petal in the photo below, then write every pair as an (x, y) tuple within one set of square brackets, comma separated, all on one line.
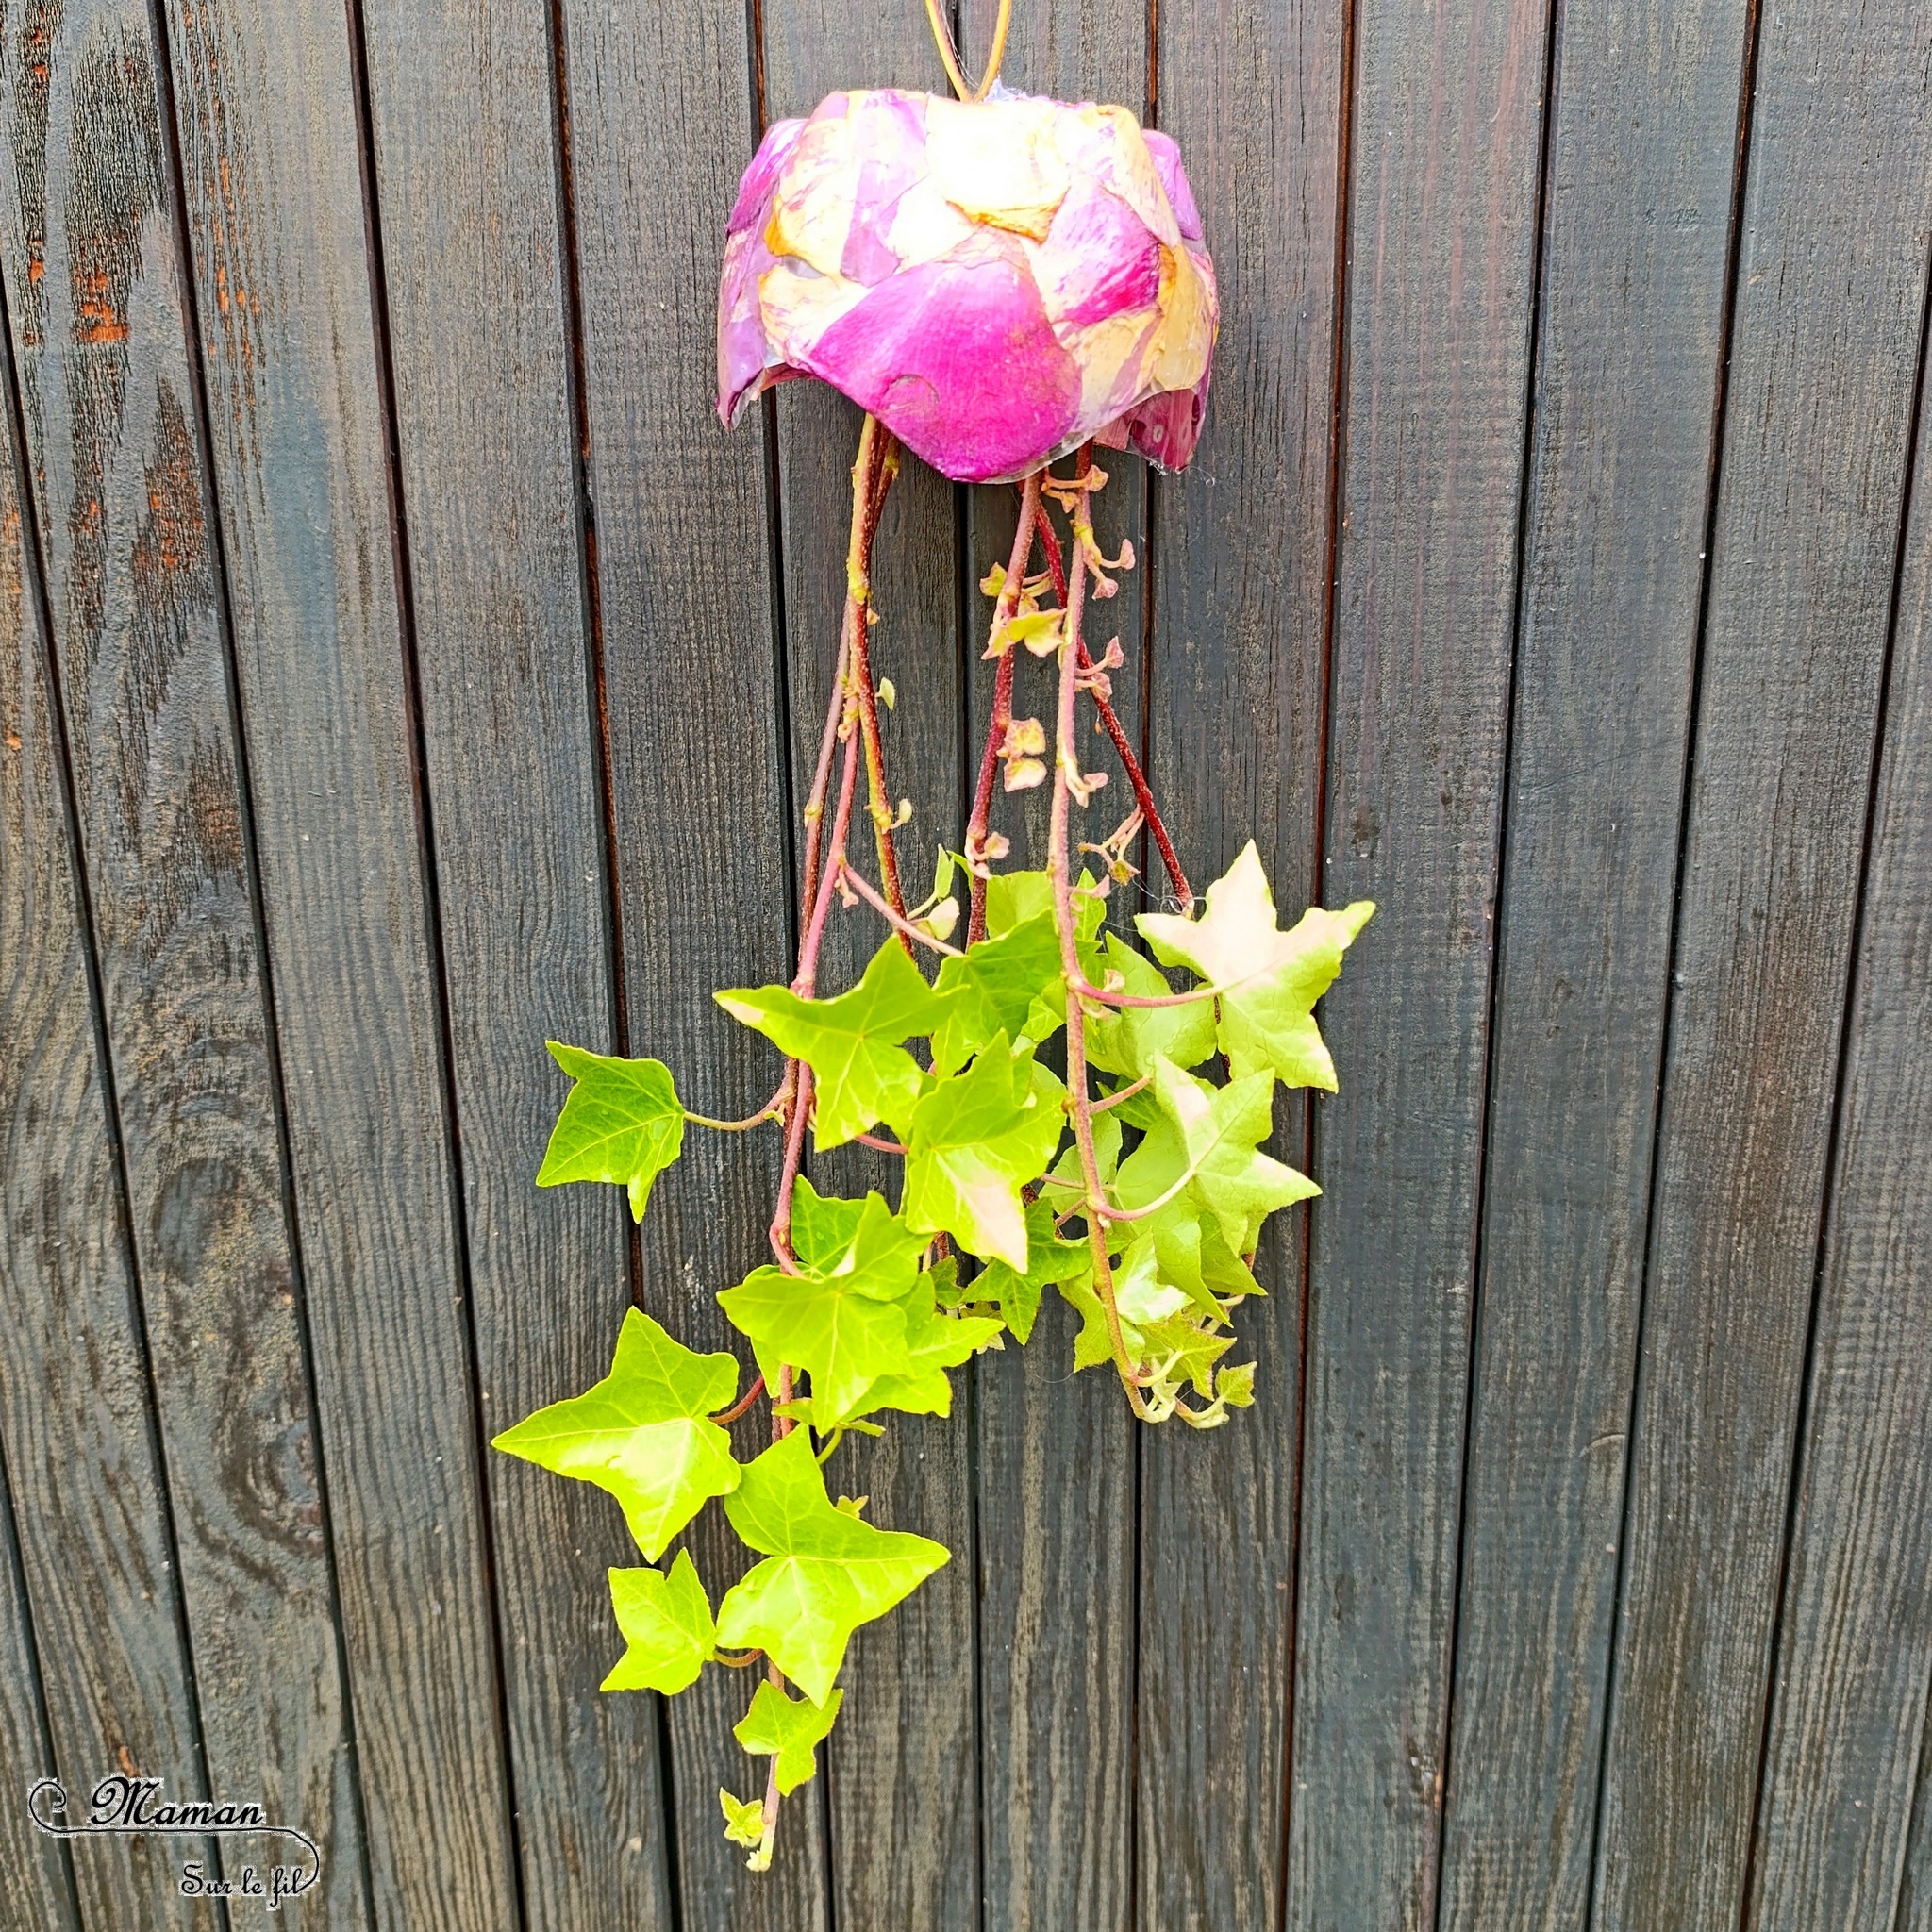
[(1173, 177), (958, 359)]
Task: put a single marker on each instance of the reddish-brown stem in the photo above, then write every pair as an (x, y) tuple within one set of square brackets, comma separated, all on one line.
[(877, 1140), (896, 919), (872, 472), (802, 985), (1066, 924), (1143, 797), (1002, 696), (726, 1417), (1124, 1093)]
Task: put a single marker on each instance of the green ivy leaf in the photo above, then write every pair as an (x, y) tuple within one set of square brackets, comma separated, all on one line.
[(667, 1627), (826, 1573), (994, 986), (861, 1072), (1273, 979), (972, 1141), (643, 1433), (744, 1824), (1211, 1139), (1013, 898), (788, 1729), (621, 1121), (1128, 1040), (1049, 1259)]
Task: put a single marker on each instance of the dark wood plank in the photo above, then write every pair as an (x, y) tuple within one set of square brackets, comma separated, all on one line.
[(1915, 1884), (462, 106), (1057, 1454), (266, 108), (1842, 1752), (1239, 564), (1823, 355), (86, 1514), (1446, 139), (1647, 103), (661, 120), (133, 587), (33, 1867), (905, 1816)]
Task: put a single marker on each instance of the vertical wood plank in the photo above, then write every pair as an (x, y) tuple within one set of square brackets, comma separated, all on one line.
[(1914, 1912), (33, 1872), (133, 587), (1646, 106), (1842, 1752), (661, 121), (1240, 560), (266, 107), (1823, 357), (463, 112), (95, 1548), (1057, 1454), (905, 1821), (1447, 125)]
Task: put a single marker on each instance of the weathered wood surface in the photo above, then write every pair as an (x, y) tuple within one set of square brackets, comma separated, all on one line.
[(432, 671), (1824, 351), (463, 112), (1627, 364), (682, 580), (1057, 1696), (266, 103), (1841, 1755), (134, 588), (1441, 228), (96, 1547), (1239, 560)]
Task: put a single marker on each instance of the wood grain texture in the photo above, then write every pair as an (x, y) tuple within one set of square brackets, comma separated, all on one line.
[(1642, 175), (266, 108), (1914, 1912), (1057, 1451), (904, 1819), (1855, 1660), (96, 1546), (1240, 561), (462, 106), (661, 122), (33, 1867), (1824, 354), (133, 588), (1447, 139)]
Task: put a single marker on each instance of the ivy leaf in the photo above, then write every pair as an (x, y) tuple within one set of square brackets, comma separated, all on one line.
[(643, 1433), (863, 1240), (995, 987), (667, 1627), (826, 1573), (1209, 1146), (621, 1121), (1049, 1259), (1193, 1254), (851, 1043), (1128, 1040), (1107, 1157), (744, 1824), (1012, 898), (788, 1729), (1272, 979), (972, 1141)]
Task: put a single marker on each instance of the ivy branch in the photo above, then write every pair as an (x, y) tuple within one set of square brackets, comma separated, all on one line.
[(865, 1309)]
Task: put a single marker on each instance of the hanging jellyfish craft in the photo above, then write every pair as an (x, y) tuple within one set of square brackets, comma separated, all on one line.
[(1012, 291)]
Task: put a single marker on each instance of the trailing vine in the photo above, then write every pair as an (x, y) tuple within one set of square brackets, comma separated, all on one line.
[(1128, 1176)]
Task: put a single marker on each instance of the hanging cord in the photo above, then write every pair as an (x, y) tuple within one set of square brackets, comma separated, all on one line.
[(950, 55)]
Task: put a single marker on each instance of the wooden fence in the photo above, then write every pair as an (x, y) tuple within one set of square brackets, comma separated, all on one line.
[(400, 666)]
